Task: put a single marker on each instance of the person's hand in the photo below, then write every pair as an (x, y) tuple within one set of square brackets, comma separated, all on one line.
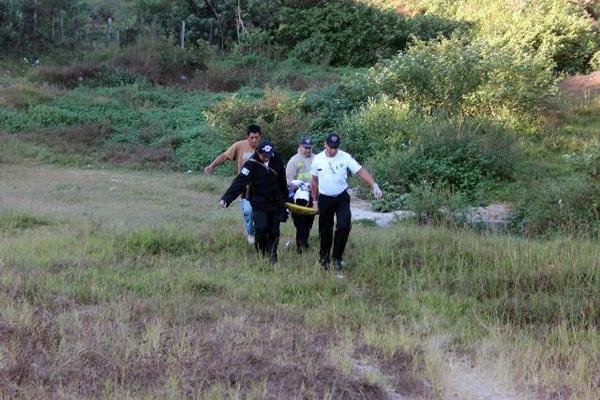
[(377, 191), (315, 205), (208, 170), (222, 203)]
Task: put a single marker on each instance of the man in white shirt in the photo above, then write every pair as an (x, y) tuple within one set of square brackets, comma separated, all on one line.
[(329, 170)]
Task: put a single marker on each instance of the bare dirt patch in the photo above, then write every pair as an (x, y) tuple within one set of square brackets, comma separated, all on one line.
[(581, 85)]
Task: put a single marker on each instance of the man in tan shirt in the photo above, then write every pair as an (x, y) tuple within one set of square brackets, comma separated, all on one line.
[(298, 177), (241, 152)]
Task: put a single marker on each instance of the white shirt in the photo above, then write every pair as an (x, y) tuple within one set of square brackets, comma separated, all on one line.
[(333, 171)]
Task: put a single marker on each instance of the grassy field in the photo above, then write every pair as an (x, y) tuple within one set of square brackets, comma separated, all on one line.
[(127, 284)]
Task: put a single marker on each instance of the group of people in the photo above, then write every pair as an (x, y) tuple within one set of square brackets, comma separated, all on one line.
[(318, 181)]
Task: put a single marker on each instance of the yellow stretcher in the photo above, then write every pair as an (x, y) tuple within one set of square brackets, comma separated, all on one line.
[(295, 208)]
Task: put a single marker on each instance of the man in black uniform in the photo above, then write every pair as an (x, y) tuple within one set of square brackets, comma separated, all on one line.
[(264, 172)]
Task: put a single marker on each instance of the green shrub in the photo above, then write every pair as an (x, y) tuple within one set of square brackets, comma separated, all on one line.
[(359, 33), (432, 75), (256, 41), (148, 242), (393, 198), (11, 221), (314, 50), (15, 120), (568, 204), (437, 204), (373, 127), (586, 161), (277, 112), (328, 105), (458, 155), (461, 76), (595, 61), (518, 83), (425, 27), (557, 31), (196, 148)]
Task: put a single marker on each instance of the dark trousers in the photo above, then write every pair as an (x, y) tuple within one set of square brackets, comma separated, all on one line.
[(303, 224), (330, 206), (266, 232)]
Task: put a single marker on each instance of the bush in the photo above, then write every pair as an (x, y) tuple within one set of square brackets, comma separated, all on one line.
[(554, 30), (256, 41), (595, 61), (465, 77), (197, 148), (278, 113), (518, 83), (359, 33), (437, 205), (431, 76), (569, 204), (372, 128), (160, 61), (314, 50), (460, 156), (557, 31)]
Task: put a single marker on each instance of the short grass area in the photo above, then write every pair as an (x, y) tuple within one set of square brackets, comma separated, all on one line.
[(144, 287)]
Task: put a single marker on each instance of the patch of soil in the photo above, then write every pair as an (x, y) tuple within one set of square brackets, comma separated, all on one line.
[(581, 85), (399, 367)]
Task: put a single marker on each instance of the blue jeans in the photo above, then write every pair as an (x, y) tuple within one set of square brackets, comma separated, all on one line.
[(246, 209)]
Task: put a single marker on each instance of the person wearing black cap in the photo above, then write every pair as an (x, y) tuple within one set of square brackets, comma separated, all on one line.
[(264, 173), (298, 178), (329, 171)]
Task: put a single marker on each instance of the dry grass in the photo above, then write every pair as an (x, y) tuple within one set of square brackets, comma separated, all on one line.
[(68, 76), (118, 283), (20, 95)]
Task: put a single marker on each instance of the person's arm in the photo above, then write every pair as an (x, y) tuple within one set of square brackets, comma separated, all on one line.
[(314, 189), (237, 186), (369, 180), (229, 154)]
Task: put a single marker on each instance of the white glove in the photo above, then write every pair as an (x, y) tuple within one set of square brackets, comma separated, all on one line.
[(377, 191)]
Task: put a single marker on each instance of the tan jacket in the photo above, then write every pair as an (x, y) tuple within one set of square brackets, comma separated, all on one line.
[(298, 168)]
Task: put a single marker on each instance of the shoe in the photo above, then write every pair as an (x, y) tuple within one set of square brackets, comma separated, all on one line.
[(324, 263), (338, 264), (250, 239)]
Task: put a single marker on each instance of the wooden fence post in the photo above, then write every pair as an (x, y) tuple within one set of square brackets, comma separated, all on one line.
[(182, 35), (62, 25)]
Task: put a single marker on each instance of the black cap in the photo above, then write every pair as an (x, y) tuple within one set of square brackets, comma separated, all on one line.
[(265, 147), (306, 142), (333, 140)]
